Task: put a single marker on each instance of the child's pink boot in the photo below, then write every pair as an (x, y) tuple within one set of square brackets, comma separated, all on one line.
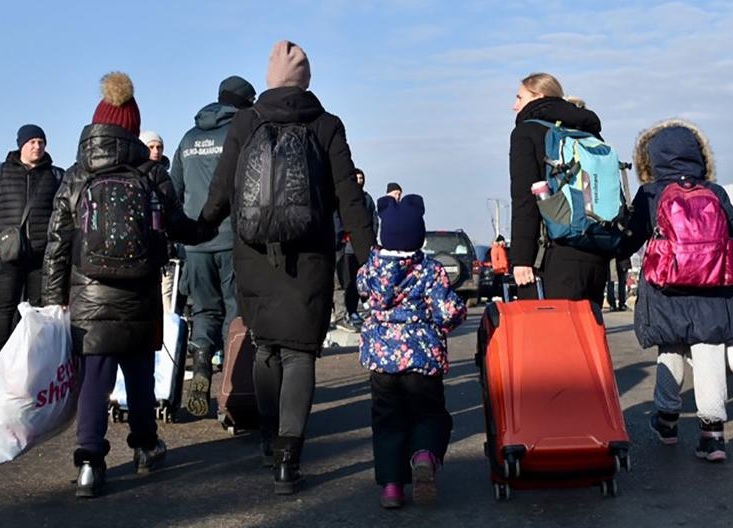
[(393, 496), (424, 464)]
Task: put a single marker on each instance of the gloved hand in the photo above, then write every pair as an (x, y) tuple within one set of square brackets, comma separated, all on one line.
[(204, 231)]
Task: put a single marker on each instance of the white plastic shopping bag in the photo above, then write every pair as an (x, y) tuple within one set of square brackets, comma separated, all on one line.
[(38, 382)]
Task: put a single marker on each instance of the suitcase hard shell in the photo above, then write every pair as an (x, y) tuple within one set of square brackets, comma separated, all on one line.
[(170, 362), (551, 405), (237, 403)]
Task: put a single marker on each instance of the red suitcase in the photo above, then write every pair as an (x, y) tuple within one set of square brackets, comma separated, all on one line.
[(551, 405), (237, 403)]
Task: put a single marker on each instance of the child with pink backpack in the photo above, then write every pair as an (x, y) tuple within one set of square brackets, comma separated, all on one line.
[(686, 285)]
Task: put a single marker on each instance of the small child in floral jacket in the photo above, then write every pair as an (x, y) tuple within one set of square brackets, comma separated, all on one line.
[(403, 344)]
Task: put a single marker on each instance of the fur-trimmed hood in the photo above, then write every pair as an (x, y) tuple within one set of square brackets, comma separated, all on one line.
[(671, 149)]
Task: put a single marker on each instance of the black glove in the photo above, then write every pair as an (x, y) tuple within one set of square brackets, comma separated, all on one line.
[(205, 232)]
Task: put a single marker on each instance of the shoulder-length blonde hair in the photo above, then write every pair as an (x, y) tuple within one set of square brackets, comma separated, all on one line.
[(543, 84)]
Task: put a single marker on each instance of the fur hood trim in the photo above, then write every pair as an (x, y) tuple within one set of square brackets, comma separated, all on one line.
[(642, 163)]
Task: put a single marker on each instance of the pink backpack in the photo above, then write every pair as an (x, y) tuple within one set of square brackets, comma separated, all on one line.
[(691, 245)]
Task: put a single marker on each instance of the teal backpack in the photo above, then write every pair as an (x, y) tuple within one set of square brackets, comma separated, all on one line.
[(587, 206)]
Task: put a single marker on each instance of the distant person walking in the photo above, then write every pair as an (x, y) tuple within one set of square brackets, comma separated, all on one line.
[(28, 182), (394, 190), (285, 275), (684, 321), (403, 344), (567, 273), (499, 256), (106, 247), (209, 276), (346, 304), (155, 144), (617, 273)]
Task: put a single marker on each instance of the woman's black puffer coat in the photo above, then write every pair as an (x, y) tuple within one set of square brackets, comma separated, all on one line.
[(110, 317)]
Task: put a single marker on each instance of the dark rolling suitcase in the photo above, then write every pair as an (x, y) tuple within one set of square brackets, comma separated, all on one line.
[(551, 405), (237, 403)]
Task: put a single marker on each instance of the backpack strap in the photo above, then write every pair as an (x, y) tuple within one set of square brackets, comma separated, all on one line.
[(542, 244), (26, 211), (556, 168)]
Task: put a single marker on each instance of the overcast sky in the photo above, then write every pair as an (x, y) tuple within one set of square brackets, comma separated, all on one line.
[(424, 87)]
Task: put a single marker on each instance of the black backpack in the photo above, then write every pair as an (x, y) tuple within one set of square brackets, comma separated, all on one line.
[(119, 215), (279, 185)]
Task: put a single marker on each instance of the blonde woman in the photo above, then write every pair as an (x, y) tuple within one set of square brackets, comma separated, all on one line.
[(568, 273)]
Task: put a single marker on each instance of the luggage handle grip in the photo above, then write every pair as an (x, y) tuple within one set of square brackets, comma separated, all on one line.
[(538, 282)]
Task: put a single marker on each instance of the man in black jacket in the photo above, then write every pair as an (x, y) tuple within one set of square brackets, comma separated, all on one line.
[(285, 297), (208, 276), (29, 181)]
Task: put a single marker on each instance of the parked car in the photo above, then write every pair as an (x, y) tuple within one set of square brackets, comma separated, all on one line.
[(455, 251)]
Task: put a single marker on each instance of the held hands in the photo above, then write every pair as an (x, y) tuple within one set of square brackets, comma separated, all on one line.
[(523, 275), (204, 231)]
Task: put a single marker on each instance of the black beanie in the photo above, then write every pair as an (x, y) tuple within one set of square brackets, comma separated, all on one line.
[(28, 132), (402, 227), (237, 92), (392, 186)]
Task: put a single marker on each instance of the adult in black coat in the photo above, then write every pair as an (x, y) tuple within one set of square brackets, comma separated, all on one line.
[(117, 321), (567, 273), (27, 178), (287, 305)]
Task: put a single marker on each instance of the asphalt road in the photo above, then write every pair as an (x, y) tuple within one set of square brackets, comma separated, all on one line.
[(212, 479)]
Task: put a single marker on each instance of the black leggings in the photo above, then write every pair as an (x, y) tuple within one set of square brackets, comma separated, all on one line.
[(284, 381)]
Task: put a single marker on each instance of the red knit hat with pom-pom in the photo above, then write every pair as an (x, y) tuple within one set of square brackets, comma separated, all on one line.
[(118, 106)]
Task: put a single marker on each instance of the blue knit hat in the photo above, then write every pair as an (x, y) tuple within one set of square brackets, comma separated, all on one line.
[(402, 227), (28, 132)]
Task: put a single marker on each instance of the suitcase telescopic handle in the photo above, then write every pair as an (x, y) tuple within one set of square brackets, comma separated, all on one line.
[(176, 279), (505, 284)]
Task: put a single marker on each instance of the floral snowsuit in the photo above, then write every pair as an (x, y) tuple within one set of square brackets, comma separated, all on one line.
[(403, 344)]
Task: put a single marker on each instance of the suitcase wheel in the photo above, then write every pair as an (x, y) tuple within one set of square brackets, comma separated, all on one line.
[(609, 488), (227, 424), (622, 460), (511, 467), (113, 413), (503, 492), (118, 415), (169, 416)]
